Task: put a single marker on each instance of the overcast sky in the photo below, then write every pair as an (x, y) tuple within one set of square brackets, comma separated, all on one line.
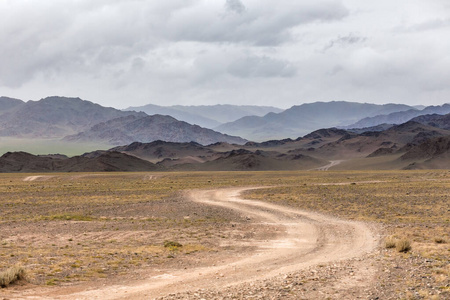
[(124, 53)]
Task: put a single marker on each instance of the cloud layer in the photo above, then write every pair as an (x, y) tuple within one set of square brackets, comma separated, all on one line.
[(121, 53)]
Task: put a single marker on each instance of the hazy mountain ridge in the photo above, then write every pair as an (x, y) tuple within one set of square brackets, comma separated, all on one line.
[(81, 120), (400, 117), (208, 116), (7, 104), (409, 145), (130, 129), (180, 115), (55, 117), (177, 145), (299, 120), (308, 152)]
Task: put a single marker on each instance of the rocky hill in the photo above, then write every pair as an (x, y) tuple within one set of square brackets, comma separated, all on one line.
[(372, 143), (159, 150), (435, 120), (126, 130), (431, 154), (12, 162)]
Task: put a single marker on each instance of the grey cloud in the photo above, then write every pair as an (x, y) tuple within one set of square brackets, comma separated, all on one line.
[(264, 22), (343, 41), (261, 67), (235, 6), (77, 36), (89, 37), (198, 51)]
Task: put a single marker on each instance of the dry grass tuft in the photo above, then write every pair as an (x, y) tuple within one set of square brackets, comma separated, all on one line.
[(440, 240), (403, 245), (389, 243), (11, 275)]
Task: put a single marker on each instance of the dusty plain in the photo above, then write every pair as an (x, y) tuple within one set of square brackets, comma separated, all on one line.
[(80, 231)]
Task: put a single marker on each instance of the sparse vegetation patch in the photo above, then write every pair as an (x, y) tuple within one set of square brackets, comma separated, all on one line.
[(172, 245), (11, 275)]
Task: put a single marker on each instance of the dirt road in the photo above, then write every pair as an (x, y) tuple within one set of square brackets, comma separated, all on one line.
[(330, 165), (307, 239)]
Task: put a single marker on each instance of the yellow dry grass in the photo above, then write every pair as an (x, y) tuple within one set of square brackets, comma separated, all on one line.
[(73, 227)]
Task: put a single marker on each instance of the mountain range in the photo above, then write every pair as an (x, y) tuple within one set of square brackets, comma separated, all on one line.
[(134, 128), (77, 120), (414, 144), (171, 144), (299, 120), (52, 117), (400, 116), (209, 116), (411, 145), (106, 162)]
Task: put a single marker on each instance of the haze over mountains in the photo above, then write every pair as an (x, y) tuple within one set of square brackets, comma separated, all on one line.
[(170, 144), (400, 117), (414, 144), (207, 116), (411, 145), (83, 121), (300, 120), (53, 117), (133, 128)]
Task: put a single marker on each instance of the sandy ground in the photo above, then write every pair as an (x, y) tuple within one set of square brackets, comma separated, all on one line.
[(304, 240)]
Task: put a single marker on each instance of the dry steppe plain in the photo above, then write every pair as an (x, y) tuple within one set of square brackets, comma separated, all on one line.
[(80, 231)]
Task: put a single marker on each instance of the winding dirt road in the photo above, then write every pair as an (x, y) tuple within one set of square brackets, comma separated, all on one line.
[(307, 239)]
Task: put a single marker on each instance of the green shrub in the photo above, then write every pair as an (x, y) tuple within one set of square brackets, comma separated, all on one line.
[(172, 245)]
